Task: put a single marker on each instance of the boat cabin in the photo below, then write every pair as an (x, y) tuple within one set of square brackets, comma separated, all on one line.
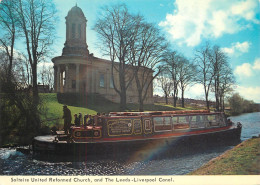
[(147, 124)]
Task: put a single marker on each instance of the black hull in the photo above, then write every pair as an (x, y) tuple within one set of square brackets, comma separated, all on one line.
[(224, 137)]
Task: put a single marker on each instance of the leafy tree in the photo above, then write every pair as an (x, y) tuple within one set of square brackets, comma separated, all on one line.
[(19, 116), (240, 105)]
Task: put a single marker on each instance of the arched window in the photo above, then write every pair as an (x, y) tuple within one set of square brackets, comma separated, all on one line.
[(73, 30), (79, 30), (102, 80)]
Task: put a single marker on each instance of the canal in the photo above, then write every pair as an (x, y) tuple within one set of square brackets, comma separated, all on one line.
[(17, 163)]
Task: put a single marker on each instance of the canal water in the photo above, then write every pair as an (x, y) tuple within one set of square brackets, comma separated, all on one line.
[(13, 162)]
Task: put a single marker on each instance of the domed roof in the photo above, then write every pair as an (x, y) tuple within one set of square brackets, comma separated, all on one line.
[(76, 11)]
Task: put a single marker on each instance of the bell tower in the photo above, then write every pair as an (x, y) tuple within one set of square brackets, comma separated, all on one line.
[(76, 42)]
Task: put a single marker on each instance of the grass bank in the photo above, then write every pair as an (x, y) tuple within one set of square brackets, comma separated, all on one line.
[(243, 159)]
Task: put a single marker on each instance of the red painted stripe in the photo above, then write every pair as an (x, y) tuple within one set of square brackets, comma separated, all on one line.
[(166, 135)]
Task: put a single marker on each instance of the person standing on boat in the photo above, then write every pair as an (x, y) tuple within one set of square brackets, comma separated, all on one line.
[(80, 119), (67, 118), (90, 121), (76, 120)]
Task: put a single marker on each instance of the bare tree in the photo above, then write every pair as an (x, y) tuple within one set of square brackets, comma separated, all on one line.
[(46, 74), (219, 60), (115, 30), (165, 83), (50, 77), (8, 26), (187, 73), (146, 51), (171, 66), (203, 61), (36, 22), (227, 81), (223, 79), (21, 70)]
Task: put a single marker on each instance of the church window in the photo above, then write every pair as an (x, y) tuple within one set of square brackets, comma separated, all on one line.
[(111, 85), (73, 84), (73, 30), (79, 30), (102, 80)]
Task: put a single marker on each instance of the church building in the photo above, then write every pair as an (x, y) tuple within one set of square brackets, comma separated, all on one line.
[(78, 71)]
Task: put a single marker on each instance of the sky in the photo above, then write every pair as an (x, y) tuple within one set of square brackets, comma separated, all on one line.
[(233, 25)]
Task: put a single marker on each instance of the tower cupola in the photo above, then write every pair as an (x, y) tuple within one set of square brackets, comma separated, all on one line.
[(76, 42)]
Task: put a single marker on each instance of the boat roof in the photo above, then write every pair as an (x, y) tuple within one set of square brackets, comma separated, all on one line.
[(162, 113)]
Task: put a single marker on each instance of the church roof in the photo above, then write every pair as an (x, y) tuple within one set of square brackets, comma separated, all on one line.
[(76, 11)]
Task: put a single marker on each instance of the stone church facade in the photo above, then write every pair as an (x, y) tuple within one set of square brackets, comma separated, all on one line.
[(78, 71)]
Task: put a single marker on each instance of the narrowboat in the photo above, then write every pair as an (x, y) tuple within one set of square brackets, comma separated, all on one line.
[(132, 131)]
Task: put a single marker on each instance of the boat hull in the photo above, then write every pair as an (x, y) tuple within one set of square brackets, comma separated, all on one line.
[(164, 142)]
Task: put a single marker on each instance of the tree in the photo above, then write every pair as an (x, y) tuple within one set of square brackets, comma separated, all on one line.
[(146, 51), (115, 30), (236, 103), (203, 60), (171, 63), (8, 26), (187, 73), (36, 21), (166, 84), (227, 82), (46, 74), (240, 105), (17, 109), (223, 77)]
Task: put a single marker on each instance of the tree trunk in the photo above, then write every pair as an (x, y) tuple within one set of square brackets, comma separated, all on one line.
[(35, 87), (207, 101), (175, 98), (182, 97), (166, 99), (141, 103), (217, 97), (223, 104), (123, 101)]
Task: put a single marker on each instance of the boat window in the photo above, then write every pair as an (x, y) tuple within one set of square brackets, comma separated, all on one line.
[(174, 120), (197, 121), (181, 122), (162, 123), (213, 120)]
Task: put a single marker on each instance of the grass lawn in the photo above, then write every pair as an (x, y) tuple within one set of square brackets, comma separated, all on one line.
[(243, 159), (53, 109)]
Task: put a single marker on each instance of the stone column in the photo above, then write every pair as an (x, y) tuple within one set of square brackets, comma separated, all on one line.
[(58, 78), (93, 89), (66, 78), (107, 81), (55, 78), (77, 77)]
